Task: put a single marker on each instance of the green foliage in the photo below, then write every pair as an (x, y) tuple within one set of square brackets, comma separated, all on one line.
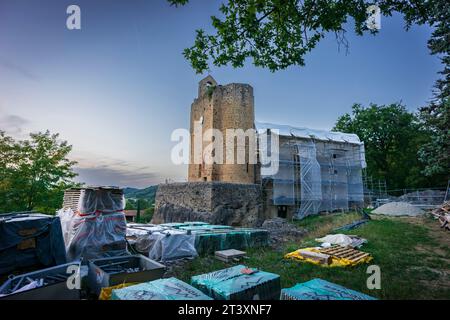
[(392, 138), (148, 214), (148, 193), (276, 34), (34, 172), (132, 204), (436, 116)]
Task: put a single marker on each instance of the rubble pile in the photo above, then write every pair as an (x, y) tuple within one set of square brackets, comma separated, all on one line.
[(281, 231)]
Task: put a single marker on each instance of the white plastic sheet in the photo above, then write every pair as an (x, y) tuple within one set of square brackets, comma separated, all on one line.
[(171, 245), (98, 228)]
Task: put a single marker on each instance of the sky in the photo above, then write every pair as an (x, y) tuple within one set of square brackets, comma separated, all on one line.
[(117, 88)]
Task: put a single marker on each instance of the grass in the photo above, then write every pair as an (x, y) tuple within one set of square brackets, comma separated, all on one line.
[(404, 251)]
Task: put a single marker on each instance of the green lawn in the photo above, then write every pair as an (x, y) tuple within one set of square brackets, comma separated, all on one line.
[(414, 263)]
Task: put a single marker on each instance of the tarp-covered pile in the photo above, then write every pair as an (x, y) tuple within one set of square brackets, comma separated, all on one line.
[(93, 223), (172, 241), (239, 283), (318, 289), (161, 289), (29, 240)]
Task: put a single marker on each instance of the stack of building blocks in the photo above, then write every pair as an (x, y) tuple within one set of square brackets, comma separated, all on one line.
[(239, 283), (161, 289), (318, 289)]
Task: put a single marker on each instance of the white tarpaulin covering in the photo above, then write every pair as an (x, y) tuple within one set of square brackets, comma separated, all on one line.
[(317, 170), (97, 227), (342, 240), (162, 243), (285, 130)]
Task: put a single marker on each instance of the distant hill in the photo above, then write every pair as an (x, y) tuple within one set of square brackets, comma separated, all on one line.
[(146, 193)]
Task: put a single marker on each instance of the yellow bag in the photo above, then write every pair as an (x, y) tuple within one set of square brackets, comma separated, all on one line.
[(105, 294)]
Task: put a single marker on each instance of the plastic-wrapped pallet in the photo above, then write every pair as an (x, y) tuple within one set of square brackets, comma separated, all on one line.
[(93, 223), (170, 245), (211, 241), (161, 289), (256, 237), (318, 289), (239, 283)]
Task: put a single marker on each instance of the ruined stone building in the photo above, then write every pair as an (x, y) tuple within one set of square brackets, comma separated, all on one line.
[(222, 107), (317, 170)]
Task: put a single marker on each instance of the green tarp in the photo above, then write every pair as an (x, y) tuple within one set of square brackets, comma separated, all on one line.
[(233, 284), (161, 289), (318, 289)]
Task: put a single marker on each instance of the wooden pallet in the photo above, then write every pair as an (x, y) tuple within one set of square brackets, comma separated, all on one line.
[(348, 253)]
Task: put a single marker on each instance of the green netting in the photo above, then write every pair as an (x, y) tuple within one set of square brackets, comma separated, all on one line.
[(256, 237), (205, 227), (161, 289), (318, 289), (232, 284), (175, 225), (210, 241), (178, 225)]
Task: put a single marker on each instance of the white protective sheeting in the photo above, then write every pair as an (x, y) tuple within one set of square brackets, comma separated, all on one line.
[(318, 171), (170, 245), (342, 240), (97, 228), (299, 132)]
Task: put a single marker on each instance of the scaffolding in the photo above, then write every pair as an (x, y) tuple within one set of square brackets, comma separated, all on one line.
[(318, 170)]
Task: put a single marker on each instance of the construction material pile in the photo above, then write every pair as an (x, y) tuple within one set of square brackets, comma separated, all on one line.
[(161, 289), (93, 222), (318, 289), (30, 239), (281, 231), (398, 209), (239, 283), (171, 241), (443, 215), (335, 256)]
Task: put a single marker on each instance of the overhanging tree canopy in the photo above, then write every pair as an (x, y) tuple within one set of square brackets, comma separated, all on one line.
[(276, 34)]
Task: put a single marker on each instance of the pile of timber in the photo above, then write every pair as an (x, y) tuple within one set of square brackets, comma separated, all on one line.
[(347, 253), (324, 255), (443, 215)]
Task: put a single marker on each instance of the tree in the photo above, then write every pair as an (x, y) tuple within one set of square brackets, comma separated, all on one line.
[(392, 138), (276, 34), (436, 153), (34, 172)]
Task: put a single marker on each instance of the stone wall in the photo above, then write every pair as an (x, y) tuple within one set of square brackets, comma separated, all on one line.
[(212, 202)]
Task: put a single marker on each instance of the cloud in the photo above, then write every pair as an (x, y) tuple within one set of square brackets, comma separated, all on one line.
[(13, 124), (94, 169), (107, 176), (18, 70)]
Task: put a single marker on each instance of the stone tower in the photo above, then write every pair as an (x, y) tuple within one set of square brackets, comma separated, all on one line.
[(222, 107)]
